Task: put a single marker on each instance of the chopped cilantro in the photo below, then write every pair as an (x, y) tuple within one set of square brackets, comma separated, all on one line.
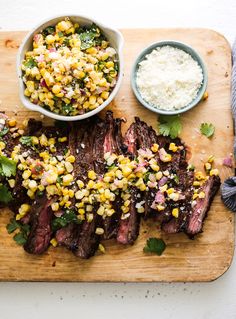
[(30, 63), (26, 140), (207, 129), (170, 125), (191, 167), (155, 245), (48, 30), (5, 195), (68, 217), (59, 179), (67, 109), (21, 237), (60, 34), (7, 166), (4, 131)]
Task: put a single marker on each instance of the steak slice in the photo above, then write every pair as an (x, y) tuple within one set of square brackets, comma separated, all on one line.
[(113, 143), (40, 222), (67, 236), (202, 206), (128, 229)]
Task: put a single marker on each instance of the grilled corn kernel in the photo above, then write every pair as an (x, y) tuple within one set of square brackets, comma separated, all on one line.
[(92, 175), (71, 193), (80, 183), (55, 207), (90, 184), (199, 176), (170, 191), (2, 145), (67, 179), (51, 190), (173, 147), (69, 167), (56, 88), (160, 208), (49, 39), (196, 183), (175, 212), (26, 174), (155, 167), (207, 166), (210, 159), (70, 159), (33, 185), (159, 175), (214, 172), (54, 242), (12, 183), (34, 140), (201, 195), (99, 231), (43, 140), (142, 187), (101, 210), (104, 95), (140, 210), (81, 211), (24, 209), (174, 196), (62, 139), (155, 148), (205, 96), (101, 248), (195, 196), (12, 122)]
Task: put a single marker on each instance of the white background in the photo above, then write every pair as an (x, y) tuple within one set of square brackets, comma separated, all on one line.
[(120, 301)]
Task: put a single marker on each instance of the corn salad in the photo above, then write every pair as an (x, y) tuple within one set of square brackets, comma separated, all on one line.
[(71, 69)]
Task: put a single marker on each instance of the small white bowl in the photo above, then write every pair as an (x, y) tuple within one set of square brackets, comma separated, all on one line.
[(114, 37)]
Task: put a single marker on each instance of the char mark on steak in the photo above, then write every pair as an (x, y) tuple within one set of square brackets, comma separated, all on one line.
[(40, 222), (201, 206)]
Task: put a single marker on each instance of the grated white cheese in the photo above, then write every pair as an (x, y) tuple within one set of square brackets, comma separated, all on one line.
[(169, 78)]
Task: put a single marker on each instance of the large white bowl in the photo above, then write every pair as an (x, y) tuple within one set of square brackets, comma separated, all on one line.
[(114, 37)]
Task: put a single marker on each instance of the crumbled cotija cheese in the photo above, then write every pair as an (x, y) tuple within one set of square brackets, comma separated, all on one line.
[(169, 78)]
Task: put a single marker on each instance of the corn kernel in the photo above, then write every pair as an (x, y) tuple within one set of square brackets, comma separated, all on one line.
[(104, 95), (43, 140), (54, 242), (140, 210), (99, 231), (199, 176), (201, 195), (101, 210), (56, 88), (155, 148), (33, 185), (80, 183), (70, 159), (92, 175), (175, 212), (81, 211), (12, 183), (210, 159), (173, 147), (26, 174), (196, 183), (159, 175), (67, 179), (24, 209), (195, 196), (207, 166), (214, 172), (12, 122), (62, 139), (55, 207), (170, 191), (49, 39), (69, 167), (101, 248), (160, 208), (2, 145)]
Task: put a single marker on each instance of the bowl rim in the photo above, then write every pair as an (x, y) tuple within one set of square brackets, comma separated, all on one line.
[(34, 107), (182, 46)]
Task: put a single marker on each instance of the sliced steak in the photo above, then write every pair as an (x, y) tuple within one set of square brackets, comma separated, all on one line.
[(202, 206), (68, 236), (40, 222), (128, 229)]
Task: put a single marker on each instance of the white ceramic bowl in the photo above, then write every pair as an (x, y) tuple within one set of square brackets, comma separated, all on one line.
[(114, 37)]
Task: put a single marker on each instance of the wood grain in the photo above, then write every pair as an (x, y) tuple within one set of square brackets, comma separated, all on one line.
[(205, 258)]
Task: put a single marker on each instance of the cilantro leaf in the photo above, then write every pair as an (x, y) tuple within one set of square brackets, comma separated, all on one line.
[(4, 131), (12, 226), (26, 140), (68, 217), (87, 40), (170, 125), (30, 63), (20, 238), (207, 129), (7, 166), (5, 195), (155, 245)]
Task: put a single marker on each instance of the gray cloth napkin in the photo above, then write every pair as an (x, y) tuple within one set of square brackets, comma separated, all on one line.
[(228, 188)]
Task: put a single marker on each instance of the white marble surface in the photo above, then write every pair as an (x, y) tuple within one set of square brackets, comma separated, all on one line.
[(193, 300)]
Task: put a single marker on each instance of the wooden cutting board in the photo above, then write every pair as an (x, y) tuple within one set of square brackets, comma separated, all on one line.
[(203, 259)]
